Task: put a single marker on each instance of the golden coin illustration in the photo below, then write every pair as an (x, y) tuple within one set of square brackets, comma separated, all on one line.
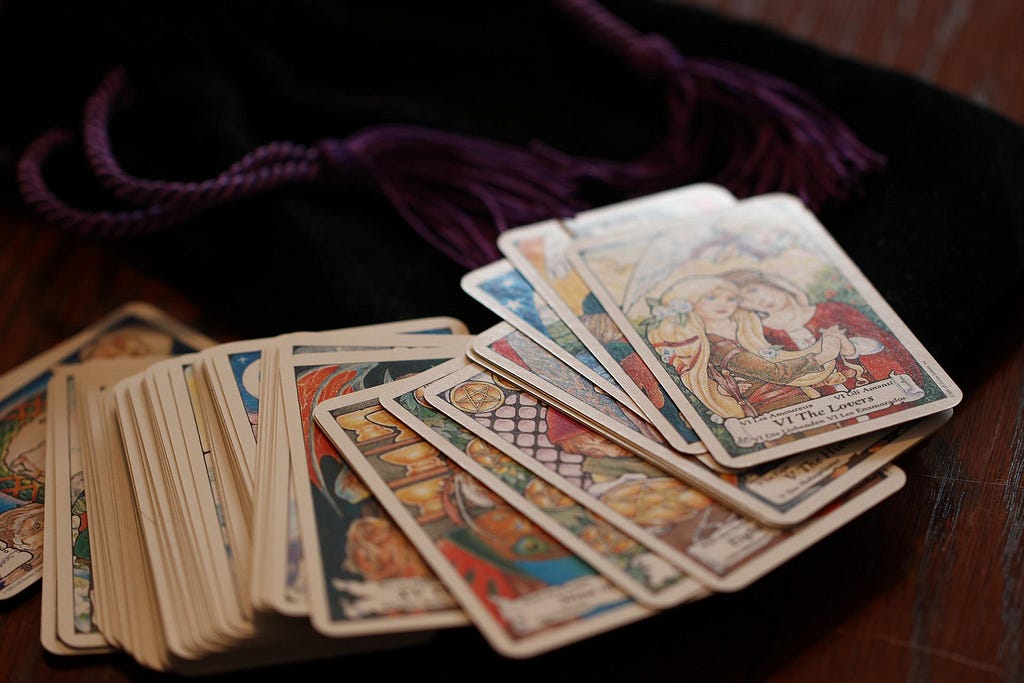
[(655, 501), (484, 453), (546, 496), (606, 539), (477, 397)]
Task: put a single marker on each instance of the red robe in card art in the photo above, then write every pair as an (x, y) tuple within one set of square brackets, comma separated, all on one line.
[(880, 352)]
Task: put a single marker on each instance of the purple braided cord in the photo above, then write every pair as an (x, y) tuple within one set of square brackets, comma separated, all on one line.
[(264, 170), (100, 223), (645, 54)]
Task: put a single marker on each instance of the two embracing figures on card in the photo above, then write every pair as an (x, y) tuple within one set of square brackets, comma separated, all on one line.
[(746, 342)]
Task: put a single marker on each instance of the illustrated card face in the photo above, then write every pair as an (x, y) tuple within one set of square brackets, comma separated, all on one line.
[(237, 368), (779, 493), (525, 591), (67, 491), (650, 209), (538, 253), (525, 363), (132, 330), (362, 573), (83, 636), (287, 584), (502, 288), (714, 544), (66, 499), (635, 569), (766, 336)]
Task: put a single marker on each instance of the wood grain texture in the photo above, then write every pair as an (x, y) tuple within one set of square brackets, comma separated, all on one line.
[(968, 47), (928, 587)]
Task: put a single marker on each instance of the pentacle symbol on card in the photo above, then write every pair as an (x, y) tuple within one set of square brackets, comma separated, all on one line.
[(477, 397)]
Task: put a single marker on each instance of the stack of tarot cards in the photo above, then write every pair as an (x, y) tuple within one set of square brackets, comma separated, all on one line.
[(161, 536), (685, 392)]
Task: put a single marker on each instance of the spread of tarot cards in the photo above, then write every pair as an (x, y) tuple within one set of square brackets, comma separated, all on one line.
[(686, 391)]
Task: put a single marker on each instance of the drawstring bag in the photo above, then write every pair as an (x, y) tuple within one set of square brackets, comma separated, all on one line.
[(307, 165)]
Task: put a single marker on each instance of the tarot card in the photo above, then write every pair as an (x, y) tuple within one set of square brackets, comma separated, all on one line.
[(279, 580), (501, 288), (177, 488), (538, 253), (353, 587), (48, 632), (276, 579), (440, 324), (233, 372), (635, 569), (48, 599), (656, 208), (73, 535), (788, 492), (720, 547), (525, 591), (60, 411), (173, 605), (135, 329), (178, 385), (762, 331), (235, 399), (779, 493), (48, 605), (344, 340), (121, 566), (235, 512), (516, 357)]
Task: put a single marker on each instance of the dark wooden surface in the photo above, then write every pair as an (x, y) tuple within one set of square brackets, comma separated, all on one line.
[(927, 587), (968, 47)]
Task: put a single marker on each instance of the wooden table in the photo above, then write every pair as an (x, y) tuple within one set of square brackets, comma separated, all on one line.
[(927, 587)]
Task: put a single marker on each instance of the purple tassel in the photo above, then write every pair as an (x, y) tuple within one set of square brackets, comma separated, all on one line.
[(780, 138), (459, 192)]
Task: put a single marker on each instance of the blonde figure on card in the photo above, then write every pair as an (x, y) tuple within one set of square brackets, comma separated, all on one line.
[(719, 352), (791, 321)]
